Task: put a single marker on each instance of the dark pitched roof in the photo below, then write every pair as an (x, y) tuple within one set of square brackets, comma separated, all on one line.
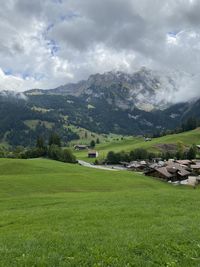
[(164, 172), (197, 166)]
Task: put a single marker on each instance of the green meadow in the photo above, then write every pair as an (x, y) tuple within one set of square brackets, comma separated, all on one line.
[(131, 143), (56, 214)]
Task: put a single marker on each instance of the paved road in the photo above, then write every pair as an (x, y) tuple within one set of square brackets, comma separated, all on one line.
[(86, 164)]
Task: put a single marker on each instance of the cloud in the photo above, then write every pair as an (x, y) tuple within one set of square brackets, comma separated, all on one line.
[(48, 43)]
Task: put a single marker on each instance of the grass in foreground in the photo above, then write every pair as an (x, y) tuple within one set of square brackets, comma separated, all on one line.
[(56, 214)]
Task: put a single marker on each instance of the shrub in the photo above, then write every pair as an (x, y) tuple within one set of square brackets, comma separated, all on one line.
[(67, 156)]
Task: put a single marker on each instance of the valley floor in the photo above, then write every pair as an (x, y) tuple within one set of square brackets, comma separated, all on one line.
[(56, 214)]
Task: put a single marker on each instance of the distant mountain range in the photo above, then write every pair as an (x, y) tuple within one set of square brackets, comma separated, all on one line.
[(114, 102), (142, 89)]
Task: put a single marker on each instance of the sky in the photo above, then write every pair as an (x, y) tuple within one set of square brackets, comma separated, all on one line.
[(47, 43)]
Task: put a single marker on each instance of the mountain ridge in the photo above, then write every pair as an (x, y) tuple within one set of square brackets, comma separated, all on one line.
[(142, 89), (105, 103)]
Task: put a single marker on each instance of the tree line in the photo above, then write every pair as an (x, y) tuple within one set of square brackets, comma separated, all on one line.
[(52, 151), (188, 125), (143, 154)]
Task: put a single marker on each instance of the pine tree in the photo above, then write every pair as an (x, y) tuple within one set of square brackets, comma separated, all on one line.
[(192, 152), (40, 142), (54, 139), (92, 144)]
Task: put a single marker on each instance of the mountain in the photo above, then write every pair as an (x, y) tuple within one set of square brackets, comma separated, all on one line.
[(126, 91), (114, 102)]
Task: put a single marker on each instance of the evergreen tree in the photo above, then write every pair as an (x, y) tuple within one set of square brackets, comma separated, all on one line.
[(112, 158), (92, 144), (190, 124), (54, 139), (180, 150), (40, 142), (139, 154), (192, 152)]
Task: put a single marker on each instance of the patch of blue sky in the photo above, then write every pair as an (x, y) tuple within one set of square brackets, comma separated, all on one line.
[(69, 16), (36, 76), (8, 72), (49, 27), (25, 75), (173, 33), (53, 46)]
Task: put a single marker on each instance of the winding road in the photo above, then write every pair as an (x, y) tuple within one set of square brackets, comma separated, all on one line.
[(86, 164)]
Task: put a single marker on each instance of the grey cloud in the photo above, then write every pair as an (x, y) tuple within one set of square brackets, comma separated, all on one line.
[(29, 8), (96, 36)]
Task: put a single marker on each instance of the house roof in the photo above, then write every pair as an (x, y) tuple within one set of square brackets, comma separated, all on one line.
[(82, 146), (176, 165), (196, 161), (183, 173), (165, 172), (197, 166), (184, 162), (92, 152), (134, 165), (169, 171), (172, 169)]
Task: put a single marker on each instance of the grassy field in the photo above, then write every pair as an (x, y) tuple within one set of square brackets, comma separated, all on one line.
[(55, 214), (128, 144)]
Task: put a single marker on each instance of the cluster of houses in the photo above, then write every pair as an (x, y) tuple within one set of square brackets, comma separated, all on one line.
[(183, 171), (91, 153), (175, 171)]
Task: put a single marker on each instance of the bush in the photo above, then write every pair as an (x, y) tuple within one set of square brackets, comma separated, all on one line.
[(32, 153), (191, 154), (55, 152), (116, 158), (67, 156), (139, 154)]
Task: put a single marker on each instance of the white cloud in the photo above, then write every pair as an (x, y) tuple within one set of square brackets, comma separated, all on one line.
[(48, 43)]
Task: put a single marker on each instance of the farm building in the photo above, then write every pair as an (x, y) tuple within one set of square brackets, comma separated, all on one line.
[(171, 172), (161, 172), (196, 168), (137, 166), (93, 154), (80, 147), (185, 162), (147, 139)]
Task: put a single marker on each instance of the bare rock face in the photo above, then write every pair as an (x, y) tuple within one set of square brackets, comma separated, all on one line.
[(144, 89)]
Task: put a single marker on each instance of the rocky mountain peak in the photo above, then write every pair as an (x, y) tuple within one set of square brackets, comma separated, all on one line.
[(144, 89)]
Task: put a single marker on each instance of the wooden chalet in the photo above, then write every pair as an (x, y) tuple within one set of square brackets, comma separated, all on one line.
[(93, 154), (195, 168), (170, 172), (137, 166), (80, 147)]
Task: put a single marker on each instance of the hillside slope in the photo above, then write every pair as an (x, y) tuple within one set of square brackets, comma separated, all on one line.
[(156, 145), (113, 102), (56, 214)]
